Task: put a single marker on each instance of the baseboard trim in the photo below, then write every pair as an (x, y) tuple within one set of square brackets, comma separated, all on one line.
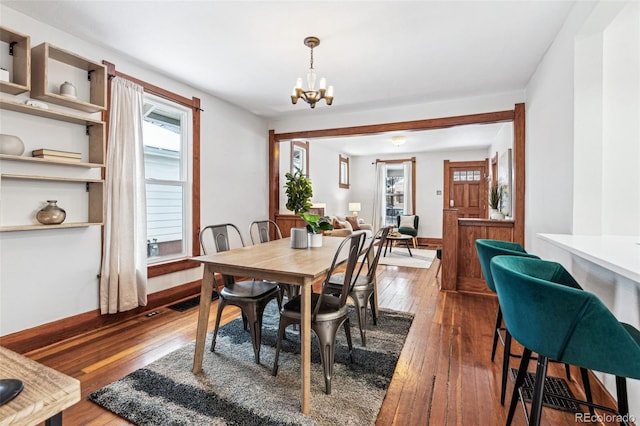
[(46, 334), (430, 242)]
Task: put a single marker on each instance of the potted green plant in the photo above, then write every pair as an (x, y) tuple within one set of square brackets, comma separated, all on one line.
[(299, 192), (495, 199)]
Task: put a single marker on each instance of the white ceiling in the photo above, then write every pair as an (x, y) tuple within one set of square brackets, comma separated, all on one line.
[(381, 53)]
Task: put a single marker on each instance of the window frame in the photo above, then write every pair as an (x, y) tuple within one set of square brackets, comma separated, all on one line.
[(186, 138), (168, 267), (343, 178)]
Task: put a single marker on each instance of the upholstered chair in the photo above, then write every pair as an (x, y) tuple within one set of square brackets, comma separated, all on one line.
[(487, 250), (562, 323), (408, 225)]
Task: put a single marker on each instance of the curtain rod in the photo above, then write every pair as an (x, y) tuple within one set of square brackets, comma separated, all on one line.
[(150, 88)]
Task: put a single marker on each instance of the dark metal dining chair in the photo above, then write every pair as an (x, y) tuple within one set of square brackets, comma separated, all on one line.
[(364, 286), (329, 311), (250, 296), (260, 231)]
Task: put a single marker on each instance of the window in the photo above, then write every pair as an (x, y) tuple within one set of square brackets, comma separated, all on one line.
[(167, 146), (300, 157), (395, 190), (394, 193), (343, 178)]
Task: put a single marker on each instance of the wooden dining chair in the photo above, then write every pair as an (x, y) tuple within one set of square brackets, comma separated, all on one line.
[(250, 296), (329, 311)]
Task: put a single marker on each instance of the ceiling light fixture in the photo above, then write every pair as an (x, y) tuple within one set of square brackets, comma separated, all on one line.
[(398, 140), (311, 95)]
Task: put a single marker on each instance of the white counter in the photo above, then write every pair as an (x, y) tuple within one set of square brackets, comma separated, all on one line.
[(617, 253), (609, 267)]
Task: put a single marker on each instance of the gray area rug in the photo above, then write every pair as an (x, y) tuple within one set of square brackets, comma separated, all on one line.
[(233, 390)]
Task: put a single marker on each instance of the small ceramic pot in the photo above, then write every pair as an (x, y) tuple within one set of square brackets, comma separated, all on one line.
[(69, 90), (315, 240), (10, 144)]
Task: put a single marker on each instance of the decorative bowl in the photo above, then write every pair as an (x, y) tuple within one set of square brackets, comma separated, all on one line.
[(11, 144)]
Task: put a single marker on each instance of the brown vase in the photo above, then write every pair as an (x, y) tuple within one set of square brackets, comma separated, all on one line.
[(51, 214)]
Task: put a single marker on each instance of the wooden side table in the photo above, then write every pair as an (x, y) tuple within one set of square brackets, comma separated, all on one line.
[(397, 237), (46, 391)]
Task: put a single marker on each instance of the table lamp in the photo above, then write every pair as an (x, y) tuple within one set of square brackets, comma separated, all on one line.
[(355, 208)]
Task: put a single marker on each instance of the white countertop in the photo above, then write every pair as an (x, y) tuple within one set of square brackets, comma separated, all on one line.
[(620, 254)]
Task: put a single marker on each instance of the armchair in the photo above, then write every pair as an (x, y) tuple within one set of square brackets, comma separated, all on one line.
[(408, 225)]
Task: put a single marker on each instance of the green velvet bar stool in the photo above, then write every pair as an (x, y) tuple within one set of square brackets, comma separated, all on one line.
[(565, 324), (487, 250)]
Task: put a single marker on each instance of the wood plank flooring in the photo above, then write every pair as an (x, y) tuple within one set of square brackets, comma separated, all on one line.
[(444, 375)]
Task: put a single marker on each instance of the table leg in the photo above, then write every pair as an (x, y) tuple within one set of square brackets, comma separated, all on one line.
[(305, 350), (386, 246), (203, 317), (55, 420), (408, 247)]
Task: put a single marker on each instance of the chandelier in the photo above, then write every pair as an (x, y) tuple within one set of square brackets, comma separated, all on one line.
[(312, 95)]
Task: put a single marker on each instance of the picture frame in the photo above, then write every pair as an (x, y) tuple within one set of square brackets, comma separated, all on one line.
[(343, 172), (300, 157)]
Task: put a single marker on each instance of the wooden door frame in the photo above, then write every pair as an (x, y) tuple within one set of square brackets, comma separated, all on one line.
[(446, 184), (516, 115)]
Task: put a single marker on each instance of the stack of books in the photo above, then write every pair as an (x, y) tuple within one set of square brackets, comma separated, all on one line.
[(55, 155)]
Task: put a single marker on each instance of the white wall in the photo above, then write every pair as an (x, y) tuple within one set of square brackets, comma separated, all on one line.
[(582, 146), (52, 274)]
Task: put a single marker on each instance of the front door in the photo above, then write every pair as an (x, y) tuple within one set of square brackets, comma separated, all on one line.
[(465, 187)]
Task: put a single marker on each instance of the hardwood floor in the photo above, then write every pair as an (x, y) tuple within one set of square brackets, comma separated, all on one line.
[(444, 375)]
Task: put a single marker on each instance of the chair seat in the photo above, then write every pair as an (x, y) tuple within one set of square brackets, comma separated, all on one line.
[(408, 231), (329, 309), (362, 282), (248, 289)]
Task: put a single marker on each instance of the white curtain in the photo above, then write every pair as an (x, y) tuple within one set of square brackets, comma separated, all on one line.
[(408, 190), (123, 279), (379, 202)]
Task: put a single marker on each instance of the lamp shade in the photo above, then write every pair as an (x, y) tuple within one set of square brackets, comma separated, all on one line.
[(354, 207)]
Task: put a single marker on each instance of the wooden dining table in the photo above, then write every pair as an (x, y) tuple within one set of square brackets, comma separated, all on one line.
[(273, 261)]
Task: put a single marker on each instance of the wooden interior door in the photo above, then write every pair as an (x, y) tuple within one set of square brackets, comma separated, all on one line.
[(466, 187)]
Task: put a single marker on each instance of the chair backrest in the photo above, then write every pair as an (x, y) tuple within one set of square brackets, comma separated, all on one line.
[(487, 249), (261, 230), (372, 259), (220, 236), (416, 219), (561, 321), (351, 247)]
